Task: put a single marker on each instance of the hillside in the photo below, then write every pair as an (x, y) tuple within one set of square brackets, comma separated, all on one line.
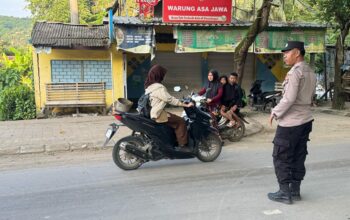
[(14, 32)]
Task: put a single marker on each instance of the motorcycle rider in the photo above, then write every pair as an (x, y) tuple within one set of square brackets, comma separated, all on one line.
[(231, 100), (223, 80), (159, 97), (215, 93)]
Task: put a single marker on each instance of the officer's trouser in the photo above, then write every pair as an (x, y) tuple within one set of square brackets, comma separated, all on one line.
[(289, 152)]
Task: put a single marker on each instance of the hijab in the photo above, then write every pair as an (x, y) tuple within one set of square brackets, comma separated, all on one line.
[(155, 75), (213, 85)]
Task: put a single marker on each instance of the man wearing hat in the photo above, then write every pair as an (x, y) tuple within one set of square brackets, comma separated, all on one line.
[(294, 117)]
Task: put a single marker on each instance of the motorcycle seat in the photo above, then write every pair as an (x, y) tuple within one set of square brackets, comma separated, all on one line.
[(270, 93)]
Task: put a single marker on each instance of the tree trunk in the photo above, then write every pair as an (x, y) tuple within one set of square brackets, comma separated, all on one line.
[(339, 95), (258, 26)]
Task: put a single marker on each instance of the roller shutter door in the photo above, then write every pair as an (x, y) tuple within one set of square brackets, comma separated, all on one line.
[(183, 69), (223, 62)]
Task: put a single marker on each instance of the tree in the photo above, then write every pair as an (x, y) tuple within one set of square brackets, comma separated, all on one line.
[(90, 11), (16, 86), (337, 14), (258, 26), (14, 32), (16, 71)]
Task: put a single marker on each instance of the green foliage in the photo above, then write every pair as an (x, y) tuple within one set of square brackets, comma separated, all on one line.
[(334, 12), (14, 32), (312, 11), (246, 10), (16, 96), (16, 103), (16, 71), (90, 11), (299, 11)]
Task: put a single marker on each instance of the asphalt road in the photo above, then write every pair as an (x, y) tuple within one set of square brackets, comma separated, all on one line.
[(233, 187)]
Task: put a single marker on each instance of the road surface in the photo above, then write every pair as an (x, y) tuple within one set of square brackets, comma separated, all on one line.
[(233, 187)]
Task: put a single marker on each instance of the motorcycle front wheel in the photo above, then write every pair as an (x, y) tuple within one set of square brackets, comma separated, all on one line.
[(209, 148), (123, 159)]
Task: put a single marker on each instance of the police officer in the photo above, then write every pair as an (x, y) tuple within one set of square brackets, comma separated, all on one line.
[(293, 114)]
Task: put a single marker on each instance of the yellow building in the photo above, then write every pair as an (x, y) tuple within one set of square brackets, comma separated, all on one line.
[(73, 55)]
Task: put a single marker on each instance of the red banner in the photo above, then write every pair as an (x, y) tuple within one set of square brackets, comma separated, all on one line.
[(146, 9), (149, 2), (197, 11)]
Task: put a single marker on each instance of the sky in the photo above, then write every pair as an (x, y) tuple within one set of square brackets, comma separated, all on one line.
[(14, 8)]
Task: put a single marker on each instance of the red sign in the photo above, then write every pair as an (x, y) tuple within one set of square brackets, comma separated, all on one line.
[(146, 9), (197, 11), (149, 2)]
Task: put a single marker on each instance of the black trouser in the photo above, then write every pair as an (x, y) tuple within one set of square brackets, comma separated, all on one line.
[(289, 152)]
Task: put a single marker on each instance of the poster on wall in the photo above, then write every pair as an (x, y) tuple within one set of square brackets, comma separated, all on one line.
[(221, 39), (275, 41), (197, 11), (135, 39)]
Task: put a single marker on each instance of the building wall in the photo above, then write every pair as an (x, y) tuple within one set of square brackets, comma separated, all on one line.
[(271, 69), (43, 72)]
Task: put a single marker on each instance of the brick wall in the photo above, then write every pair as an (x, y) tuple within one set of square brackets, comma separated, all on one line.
[(81, 71)]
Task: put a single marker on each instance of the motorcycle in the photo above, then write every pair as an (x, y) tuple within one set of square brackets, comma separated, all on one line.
[(152, 141), (263, 101), (232, 133)]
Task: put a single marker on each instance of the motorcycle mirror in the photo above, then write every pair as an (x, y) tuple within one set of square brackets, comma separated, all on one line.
[(177, 89)]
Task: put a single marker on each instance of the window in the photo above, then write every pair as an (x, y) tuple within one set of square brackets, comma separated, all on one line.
[(71, 71)]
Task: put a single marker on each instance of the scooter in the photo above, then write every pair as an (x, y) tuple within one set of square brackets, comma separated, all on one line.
[(263, 101), (151, 141), (233, 134)]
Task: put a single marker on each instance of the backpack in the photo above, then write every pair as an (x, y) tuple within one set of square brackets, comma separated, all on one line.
[(143, 106)]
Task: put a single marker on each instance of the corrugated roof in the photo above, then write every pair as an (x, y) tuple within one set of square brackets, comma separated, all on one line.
[(62, 35), (235, 23)]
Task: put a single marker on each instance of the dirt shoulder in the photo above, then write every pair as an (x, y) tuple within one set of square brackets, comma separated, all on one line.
[(326, 129)]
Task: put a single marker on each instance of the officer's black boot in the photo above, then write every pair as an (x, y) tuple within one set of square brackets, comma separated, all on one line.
[(283, 195), (295, 190)]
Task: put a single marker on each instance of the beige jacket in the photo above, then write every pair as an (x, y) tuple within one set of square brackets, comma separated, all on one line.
[(299, 88), (159, 97)]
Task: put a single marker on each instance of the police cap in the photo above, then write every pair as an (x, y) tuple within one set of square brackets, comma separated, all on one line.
[(294, 44)]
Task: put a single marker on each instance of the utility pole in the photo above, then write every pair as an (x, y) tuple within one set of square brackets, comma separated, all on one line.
[(74, 12)]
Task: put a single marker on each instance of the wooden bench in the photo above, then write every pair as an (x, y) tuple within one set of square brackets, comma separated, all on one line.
[(76, 95)]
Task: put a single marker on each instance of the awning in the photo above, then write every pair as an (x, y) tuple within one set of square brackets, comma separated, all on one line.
[(274, 41), (226, 39)]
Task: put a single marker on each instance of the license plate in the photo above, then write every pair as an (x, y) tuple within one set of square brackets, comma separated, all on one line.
[(109, 133)]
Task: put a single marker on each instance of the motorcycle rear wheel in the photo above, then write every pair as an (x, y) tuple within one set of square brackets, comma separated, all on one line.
[(209, 148), (123, 159), (269, 106), (237, 133)]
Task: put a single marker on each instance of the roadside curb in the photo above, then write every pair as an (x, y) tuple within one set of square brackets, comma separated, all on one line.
[(64, 145), (35, 149)]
